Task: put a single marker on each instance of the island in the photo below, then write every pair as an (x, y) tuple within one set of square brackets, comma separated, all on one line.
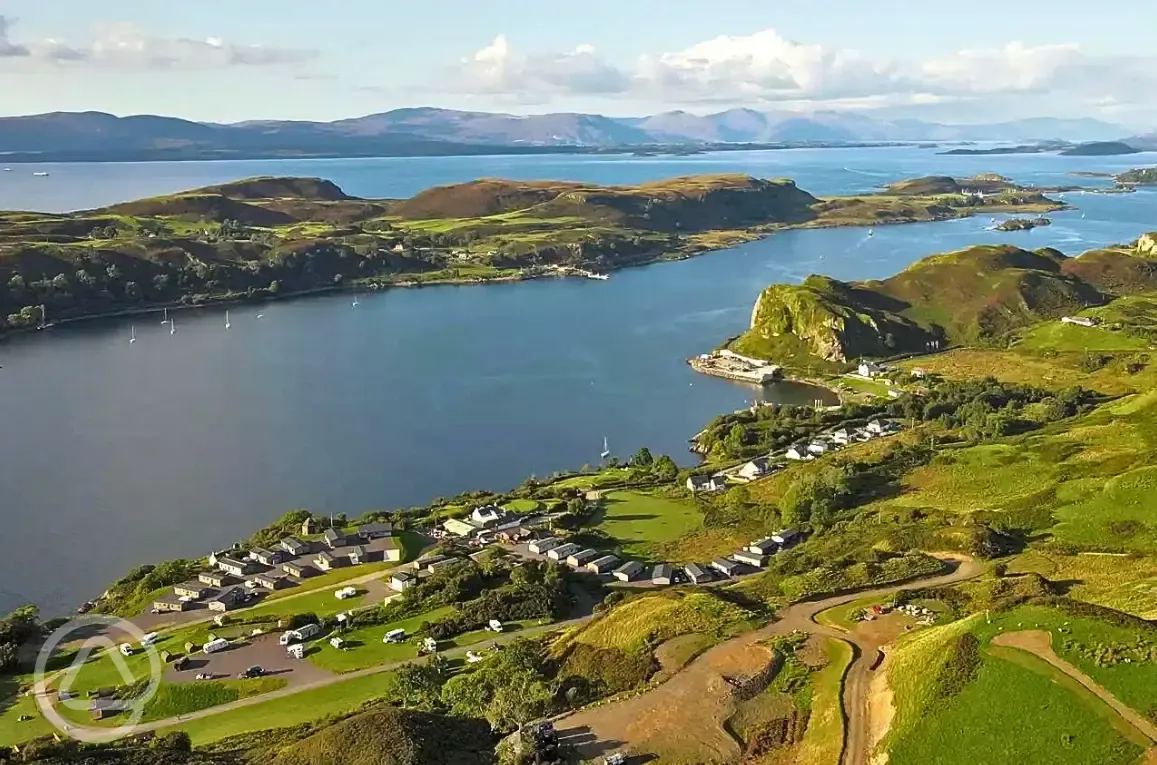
[(270, 237), (1141, 176), (1100, 149), (1022, 224), (1046, 147)]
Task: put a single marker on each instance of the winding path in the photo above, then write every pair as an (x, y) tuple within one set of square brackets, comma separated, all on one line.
[(1040, 644)]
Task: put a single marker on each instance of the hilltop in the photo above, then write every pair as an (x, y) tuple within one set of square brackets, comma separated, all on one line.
[(975, 296), (271, 236)]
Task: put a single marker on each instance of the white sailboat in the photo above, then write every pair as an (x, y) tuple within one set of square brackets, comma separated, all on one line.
[(227, 324), (172, 327), (606, 449), (871, 232), (260, 316), (133, 335), (357, 301), (166, 319)]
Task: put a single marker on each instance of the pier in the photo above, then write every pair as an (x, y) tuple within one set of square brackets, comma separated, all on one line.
[(734, 366)]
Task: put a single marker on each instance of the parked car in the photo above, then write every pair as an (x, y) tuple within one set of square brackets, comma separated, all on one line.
[(204, 676), (254, 671)]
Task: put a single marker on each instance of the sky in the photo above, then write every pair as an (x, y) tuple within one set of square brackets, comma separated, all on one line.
[(226, 61)]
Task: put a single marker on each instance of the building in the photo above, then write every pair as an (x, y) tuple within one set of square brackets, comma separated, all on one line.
[(170, 602), (751, 559), (195, 590), (400, 580), (309, 527), (562, 551), (267, 557), (459, 527), (332, 539), (228, 599), (919, 373), (389, 548), (295, 569), (357, 555), (213, 578), (541, 546), (758, 467), (440, 561), (661, 574), (869, 369), (726, 567), (817, 448), (234, 566), (581, 558), (785, 538), (487, 515), (430, 561), (1080, 321), (798, 452), (294, 547), (103, 708), (324, 561), (271, 581), (765, 546), (377, 530), (705, 484), (842, 436), (880, 427), (628, 571), (696, 573), (603, 565)]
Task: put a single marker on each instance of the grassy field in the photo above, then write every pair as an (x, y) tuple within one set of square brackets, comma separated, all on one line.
[(1115, 580), (290, 710), (643, 523), (174, 699), (1017, 711), (593, 480), (823, 741), (522, 506)]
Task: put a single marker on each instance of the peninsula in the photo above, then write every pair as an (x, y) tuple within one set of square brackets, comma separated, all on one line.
[(270, 237)]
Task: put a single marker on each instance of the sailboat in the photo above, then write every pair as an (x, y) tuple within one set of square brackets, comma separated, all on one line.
[(606, 449), (227, 324), (871, 232), (172, 327), (356, 302), (133, 336), (166, 319)]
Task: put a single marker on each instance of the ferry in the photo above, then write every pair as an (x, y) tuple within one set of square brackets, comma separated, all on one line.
[(600, 277), (40, 175)]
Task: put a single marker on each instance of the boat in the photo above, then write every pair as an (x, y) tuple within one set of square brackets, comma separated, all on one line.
[(356, 302), (601, 277), (172, 327), (133, 335), (166, 319), (260, 316), (41, 174), (871, 232), (227, 324), (606, 449), (7, 169)]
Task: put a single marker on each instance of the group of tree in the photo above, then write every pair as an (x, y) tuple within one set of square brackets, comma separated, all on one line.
[(17, 629)]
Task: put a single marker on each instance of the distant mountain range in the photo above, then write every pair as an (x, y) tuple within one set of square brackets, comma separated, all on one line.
[(94, 136)]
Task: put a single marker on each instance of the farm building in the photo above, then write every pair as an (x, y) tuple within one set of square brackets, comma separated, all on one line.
[(603, 565), (661, 574), (628, 571)]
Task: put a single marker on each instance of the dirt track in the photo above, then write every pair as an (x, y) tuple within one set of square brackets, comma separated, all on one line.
[(642, 722)]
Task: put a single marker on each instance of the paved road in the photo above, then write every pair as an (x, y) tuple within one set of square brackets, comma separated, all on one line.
[(1040, 644)]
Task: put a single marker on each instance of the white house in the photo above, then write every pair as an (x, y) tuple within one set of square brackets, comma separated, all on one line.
[(765, 546), (541, 546), (799, 452), (879, 427), (750, 558), (760, 466), (628, 571), (817, 448), (486, 516), (400, 581), (842, 436), (562, 551), (785, 538), (869, 369), (705, 483)]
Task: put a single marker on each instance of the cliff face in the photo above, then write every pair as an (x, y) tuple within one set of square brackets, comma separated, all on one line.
[(831, 322)]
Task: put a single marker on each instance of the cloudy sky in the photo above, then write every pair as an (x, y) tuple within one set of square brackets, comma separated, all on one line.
[(230, 60)]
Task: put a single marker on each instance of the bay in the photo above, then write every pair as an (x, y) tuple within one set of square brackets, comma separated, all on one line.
[(114, 455)]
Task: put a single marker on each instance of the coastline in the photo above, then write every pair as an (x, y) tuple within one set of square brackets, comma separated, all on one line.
[(732, 237)]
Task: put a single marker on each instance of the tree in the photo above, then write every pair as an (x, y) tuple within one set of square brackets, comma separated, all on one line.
[(642, 458), (816, 497), (420, 685), (665, 469)]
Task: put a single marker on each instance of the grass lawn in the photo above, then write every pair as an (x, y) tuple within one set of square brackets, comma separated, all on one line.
[(182, 698), (823, 739), (366, 648), (841, 616), (522, 506), (13, 707), (641, 523), (1018, 710), (322, 602), (290, 710), (594, 480), (1123, 582)]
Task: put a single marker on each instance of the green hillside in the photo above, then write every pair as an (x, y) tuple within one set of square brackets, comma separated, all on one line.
[(976, 296)]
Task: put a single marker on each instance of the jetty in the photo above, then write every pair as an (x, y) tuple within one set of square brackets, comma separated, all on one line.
[(734, 366)]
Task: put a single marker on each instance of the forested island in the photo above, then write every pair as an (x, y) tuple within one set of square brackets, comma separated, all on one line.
[(270, 237)]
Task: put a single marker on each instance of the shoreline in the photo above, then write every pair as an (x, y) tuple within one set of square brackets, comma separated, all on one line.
[(373, 284)]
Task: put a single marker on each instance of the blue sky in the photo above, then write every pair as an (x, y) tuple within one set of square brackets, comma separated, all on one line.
[(227, 60)]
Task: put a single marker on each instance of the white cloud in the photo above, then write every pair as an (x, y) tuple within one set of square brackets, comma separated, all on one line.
[(766, 68), (128, 46)]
